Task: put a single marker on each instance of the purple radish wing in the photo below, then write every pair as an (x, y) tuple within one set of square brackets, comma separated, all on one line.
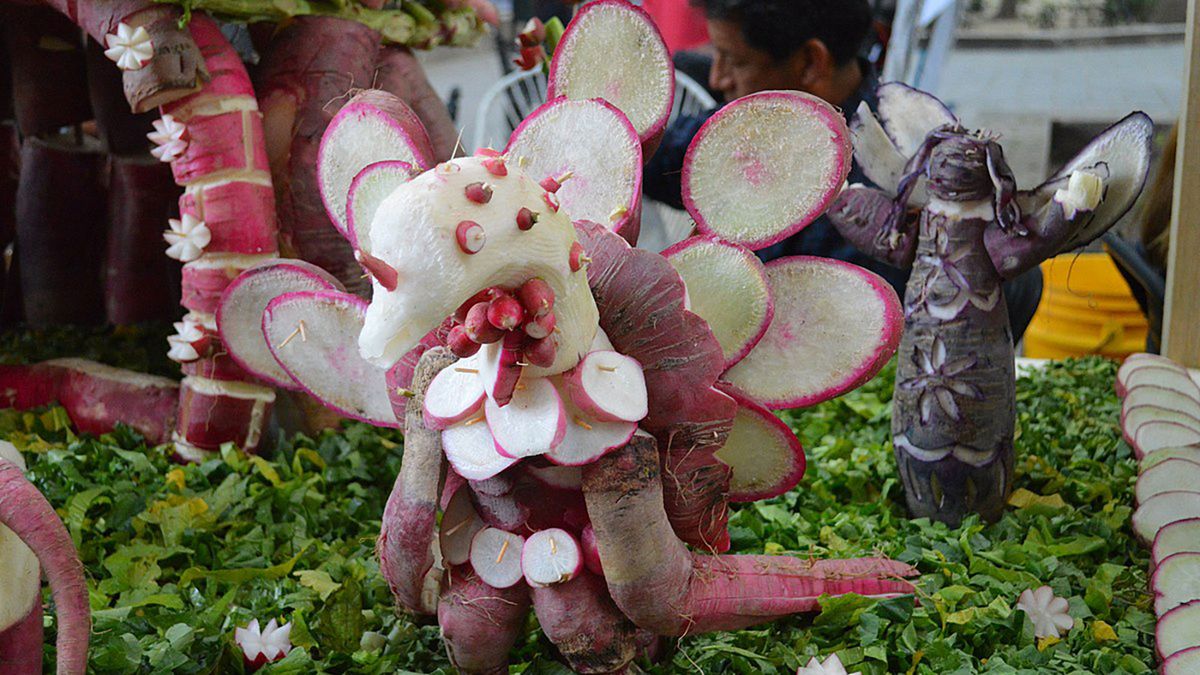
[(314, 336), (878, 157), (766, 457), (471, 450), (368, 189), (908, 115)]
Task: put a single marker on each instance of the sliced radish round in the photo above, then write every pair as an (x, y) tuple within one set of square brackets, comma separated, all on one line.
[(1138, 361), (1188, 452), (1150, 394), (1133, 417), (591, 552), (496, 557), (1172, 475), (587, 439), (765, 166), (1176, 581), (472, 451), (766, 457), (609, 387), (314, 336), (499, 371), (455, 394), (532, 423), (1181, 536), (240, 313), (1183, 662), (560, 477), (1178, 629), (459, 525), (22, 575), (730, 289), (613, 50), (841, 321), (908, 115), (1167, 507), (375, 183), (1157, 435), (374, 126), (593, 142), (1160, 376), (551, 557)]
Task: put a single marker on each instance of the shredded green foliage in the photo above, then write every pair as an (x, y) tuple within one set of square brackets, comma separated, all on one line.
[(178, 556)]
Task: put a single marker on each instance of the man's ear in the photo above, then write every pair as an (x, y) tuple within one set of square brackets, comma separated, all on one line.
[(813, 67)]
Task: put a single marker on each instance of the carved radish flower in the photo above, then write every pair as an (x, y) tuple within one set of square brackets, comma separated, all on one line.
[(169, 138), (188, 335), (130, 48), (938, 380), (260, 647), (830, 666), (1047, 611), (187, 238)]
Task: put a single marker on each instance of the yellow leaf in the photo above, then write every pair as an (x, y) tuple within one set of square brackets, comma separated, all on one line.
[(264, 467), (1046, 642), (1102, 632), (1023, 499), (175, 477)]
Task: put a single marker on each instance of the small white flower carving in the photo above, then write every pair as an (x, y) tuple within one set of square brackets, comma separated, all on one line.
[(1047, 612), (169, 138), (272, 643), (183, 343), (831, 666), (130, 48), (187, 238)]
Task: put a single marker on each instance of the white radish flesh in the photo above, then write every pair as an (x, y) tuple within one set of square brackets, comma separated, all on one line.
[(1178, 629), (1181, 536), (22, 575), (1176, 581), (1188, 452), (455, 394), (587, 439), (460, 524), (1172, 475), (908, 115), (532, 423), (1183, 662), (1149, 394), (730, 289), (841, 321), (1134, 417), (766, 457), (609, 387), (1154, 513), (1138, 361), (471, 450), (1160, 376), (551, 557), (375, 183), (496, 557), (765, 166), (314, 336), (875, 151), (1157, 435)]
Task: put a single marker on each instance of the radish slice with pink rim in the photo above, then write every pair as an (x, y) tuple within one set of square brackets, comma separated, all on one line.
[(1190, 453), (730, 289), (613, 50), (1133, 417), (455, 394), (460, 523), (368, 189), (1176, 581), (587, 440), (1183, 662), (1152, 394), (765, 455), (1177, 630), (471, 450), (1159, 375), (593, 142), (551, 557), (1158, 435), (499, 371), (496, 557), (1172, 475), (609, 387), (532, 423), (765, 166), (240, 313), (314, 336), (1164, 508), (1180, 536), (816, 298)]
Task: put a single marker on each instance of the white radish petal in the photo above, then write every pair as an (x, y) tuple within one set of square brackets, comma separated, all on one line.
[(1161, 376), (587, 439), (1177, 630), (455, 394), (1172, 475), (878, 156), (1176, 581), (532, 423), (1157, 435), (460, 524), (1183, 662), (551, 557), (496, 557), (471, 450), (609, 387), (1156, 512), (368, 189), (1188, 452), (765, 456), (1181, 536), (1150, 394)]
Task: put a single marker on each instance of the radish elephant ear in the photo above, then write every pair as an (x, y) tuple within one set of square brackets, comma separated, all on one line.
[(765, 166), (374, 126)]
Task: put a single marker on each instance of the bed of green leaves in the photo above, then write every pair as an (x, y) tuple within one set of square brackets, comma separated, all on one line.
[(178, 556)]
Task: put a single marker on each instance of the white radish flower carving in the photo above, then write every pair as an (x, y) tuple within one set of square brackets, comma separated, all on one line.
[(1047, 611), (830, 666), (130, 48), (271, 643), (187, 238), (169, 138), (183, 343)]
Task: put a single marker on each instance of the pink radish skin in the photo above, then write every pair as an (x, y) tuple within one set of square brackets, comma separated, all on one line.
[(472, 452), (1158, 435), (1159, 376), (599, 383), (398, 71), (1177, 630), (760, 440), (1183, 662), (581, 620), (1172, 475), (213, 413), (532, 423), (536, 297), (802, 287), (21, 643), (559, 477), (1176, 581), (549, 557), (715, 190), (221, 145), (204, 280), (461, 343), (496, 557), (1164, 508), (27, 513), (480, 624), (455, 395), (239, 214), (500, 370), (1135, 416), (665, 588), (1180, 536), (1150, 394), (587, 439), (591, 553), (400, 376)]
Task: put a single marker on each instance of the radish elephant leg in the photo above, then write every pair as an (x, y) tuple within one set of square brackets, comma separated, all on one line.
[(140, 283), (480, 624), (123, 132), (49, 86), (581, 620), (664, 588), (400, 73)]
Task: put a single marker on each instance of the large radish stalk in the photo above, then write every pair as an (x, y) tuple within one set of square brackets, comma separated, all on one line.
[(140, 284), (480, 624)]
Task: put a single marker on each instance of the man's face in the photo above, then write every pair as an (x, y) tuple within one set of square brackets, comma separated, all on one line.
[(739, 69)]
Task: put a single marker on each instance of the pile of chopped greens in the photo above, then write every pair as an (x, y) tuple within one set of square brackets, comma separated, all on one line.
[(178, 556)]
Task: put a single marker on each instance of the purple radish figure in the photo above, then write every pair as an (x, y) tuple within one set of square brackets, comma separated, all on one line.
[(947, 207)]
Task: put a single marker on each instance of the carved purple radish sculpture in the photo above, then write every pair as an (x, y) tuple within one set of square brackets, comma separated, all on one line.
[(576, 409), (948, 207)]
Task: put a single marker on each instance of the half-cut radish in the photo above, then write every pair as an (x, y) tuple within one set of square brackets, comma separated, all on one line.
[(1181, 536), (1188, 452), (838, 319), (587, 439), (1167, 507), (1172, 475), (532, 423), (551, 557), (368, 189), (472, 451), (560, 477), (460, 523), (593, 143), (1183, 662), (1176, 581), (1172, 399), (908, 115), (728, 288), (766, 457), (1156, 435), (1178, 629), (374, 126), (1160, 376), (240, 313), (455, 394), (613, 50), (765, 166), (314, 336), (609, 387), (496, 557)]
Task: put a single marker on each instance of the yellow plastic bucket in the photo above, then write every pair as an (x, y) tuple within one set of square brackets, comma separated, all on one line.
[(1086, 308)]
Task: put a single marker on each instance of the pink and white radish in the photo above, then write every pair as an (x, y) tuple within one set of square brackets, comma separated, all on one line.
[(212, 413), (551, 557), (1187, 452), (367, 191), (609, 387), (766, 457), (460, 523), (1162, 509), (1180, 536), (456, 394), (587, 439), (532, 423), (1154, 395), (1177, 630), (1159, 375), (471, 450), (1182, 662), (743, 181), (1133, 417), (1158, 435), (496, 557), (1176, 581), (591, 551), (1172, 475), (21, 594), (586, 627)]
